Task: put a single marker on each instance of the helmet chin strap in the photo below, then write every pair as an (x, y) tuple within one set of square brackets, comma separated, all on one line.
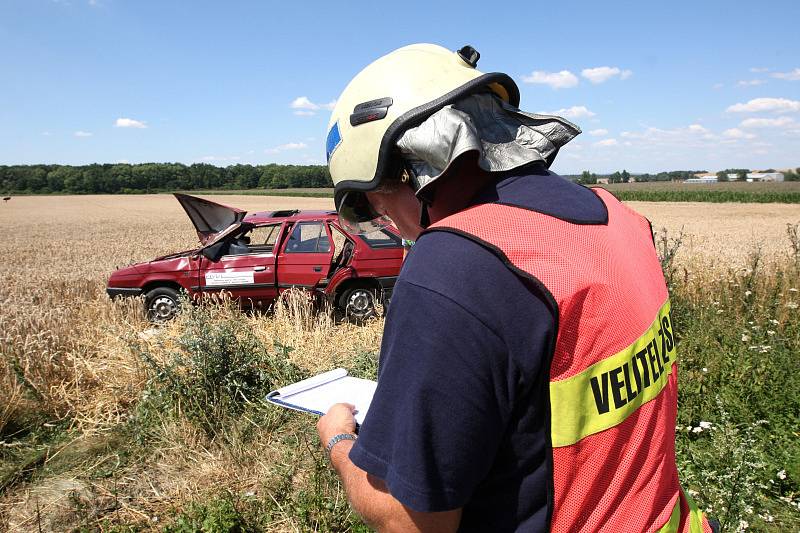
[(424, 216), (425, 197)]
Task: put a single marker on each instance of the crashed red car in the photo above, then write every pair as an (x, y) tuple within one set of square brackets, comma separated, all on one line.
[(256, 257)]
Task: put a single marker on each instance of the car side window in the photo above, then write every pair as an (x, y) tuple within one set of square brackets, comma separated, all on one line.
[(309, 238), (382, 238), (262, 238)]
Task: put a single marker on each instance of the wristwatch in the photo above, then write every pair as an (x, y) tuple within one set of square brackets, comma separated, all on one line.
[(338, 438)]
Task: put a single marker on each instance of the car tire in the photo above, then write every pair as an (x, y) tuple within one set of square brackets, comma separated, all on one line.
[(358, 304), (162, 304)]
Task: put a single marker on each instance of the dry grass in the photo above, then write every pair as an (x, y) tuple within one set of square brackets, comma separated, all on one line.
[(66, 358), (722, 235)]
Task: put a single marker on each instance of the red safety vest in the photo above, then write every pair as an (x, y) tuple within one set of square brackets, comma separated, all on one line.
[(613, 372)]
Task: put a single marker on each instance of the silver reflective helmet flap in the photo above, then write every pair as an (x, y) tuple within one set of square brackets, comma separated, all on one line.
[(505, 137)]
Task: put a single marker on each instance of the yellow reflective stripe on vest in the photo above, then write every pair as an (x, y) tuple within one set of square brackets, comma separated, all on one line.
[(695, 517), (674, 521), (607, 392)]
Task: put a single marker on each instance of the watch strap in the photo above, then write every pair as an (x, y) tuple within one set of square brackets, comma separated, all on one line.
[(338, 438)]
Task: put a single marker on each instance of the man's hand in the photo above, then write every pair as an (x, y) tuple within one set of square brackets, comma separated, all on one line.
[(339, 419), (367, 494)]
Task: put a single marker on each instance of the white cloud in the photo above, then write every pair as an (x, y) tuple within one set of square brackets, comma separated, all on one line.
[(695, 134), (576, 111), (765, 104), (718, 86), (47, 134), (129, 123), (779, 122), (556, 80), (602, 74), (285, 147), (82, 134), (793, 75), (750, 83), (758, 70), (598, 132), (302, 102), (305, 107), (606, 142), (736, 133)]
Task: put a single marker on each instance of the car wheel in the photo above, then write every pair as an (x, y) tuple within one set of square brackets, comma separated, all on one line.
[(162, 304), (358, 304)]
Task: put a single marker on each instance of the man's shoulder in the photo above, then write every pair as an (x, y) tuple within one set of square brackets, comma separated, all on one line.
[(474, 278), (441, 260)]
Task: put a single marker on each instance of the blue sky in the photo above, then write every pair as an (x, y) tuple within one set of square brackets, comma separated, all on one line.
[(654, 86)]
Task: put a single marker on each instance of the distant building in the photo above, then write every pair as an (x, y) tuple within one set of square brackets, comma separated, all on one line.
[(705, 179), (709, 175), (602, 181), (764, 176)]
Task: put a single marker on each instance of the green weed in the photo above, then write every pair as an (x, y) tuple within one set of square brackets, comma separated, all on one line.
[(217, 370), (738, 340)]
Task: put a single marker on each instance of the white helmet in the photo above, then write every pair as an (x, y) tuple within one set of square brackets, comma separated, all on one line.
[(398, 91)]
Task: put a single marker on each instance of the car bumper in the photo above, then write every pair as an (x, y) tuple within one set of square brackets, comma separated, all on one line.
[(113, 292)]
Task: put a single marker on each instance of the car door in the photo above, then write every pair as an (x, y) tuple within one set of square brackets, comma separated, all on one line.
[(305, 256), (247, 270)]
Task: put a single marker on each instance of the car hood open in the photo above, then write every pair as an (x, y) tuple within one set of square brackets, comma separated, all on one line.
[(210, 219)]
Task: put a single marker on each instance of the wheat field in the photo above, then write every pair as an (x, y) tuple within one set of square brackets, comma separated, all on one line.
[(86, 237), (68, 358)]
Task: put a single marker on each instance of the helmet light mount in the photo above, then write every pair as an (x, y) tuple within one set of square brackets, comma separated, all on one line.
[(469, 55)]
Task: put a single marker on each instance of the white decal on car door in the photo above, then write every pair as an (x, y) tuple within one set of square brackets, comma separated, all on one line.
[(229, 278)]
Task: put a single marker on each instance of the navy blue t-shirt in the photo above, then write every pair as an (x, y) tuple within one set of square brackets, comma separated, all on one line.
[(459, 415)]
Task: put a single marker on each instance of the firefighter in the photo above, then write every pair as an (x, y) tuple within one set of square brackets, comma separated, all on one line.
[(528, 369)]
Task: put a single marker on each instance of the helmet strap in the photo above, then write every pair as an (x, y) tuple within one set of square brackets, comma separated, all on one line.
[(425, 198), (424, 216)]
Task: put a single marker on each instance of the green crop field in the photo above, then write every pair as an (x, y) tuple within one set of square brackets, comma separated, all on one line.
[(785, 192)]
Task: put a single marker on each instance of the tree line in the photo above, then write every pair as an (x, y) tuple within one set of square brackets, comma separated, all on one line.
[(156, 177), (589, 178)]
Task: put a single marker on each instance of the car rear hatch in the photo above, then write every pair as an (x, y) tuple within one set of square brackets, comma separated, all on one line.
[(210, 219)]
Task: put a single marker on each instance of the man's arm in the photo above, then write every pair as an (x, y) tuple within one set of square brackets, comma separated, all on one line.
[(367, 494)]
